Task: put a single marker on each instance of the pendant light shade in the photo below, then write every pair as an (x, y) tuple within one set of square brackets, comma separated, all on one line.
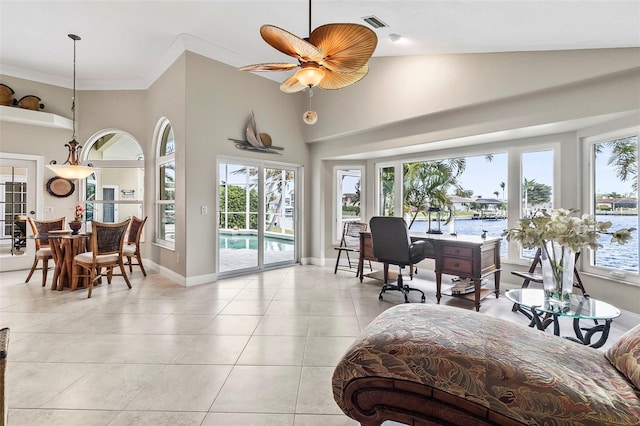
[(71, 169), (310, 75)]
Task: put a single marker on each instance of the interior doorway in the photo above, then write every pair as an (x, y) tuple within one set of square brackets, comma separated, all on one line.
[(20, 176)]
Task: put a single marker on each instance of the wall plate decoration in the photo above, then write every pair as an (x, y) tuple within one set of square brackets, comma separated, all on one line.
[(60, 187)]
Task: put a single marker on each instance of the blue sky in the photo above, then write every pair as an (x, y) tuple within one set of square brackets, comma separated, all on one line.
[(606, 180)]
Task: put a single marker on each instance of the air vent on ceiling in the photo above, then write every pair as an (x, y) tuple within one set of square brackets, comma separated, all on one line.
[(374, 21)]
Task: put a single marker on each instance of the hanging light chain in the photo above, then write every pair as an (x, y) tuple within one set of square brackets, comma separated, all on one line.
[(73, 99)]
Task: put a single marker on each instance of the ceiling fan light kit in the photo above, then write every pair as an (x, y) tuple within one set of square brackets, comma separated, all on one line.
[(332, 57), (310, 74)]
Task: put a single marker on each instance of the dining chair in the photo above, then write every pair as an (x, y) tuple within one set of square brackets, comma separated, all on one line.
[(4, 347), (40, 228), (132, 247), (106, 244)]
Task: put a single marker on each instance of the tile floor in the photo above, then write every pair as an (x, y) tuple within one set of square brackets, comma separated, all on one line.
[(252, 350)]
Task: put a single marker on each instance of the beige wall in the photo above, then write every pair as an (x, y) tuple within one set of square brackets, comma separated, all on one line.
[(219, 101), (403, 88), (167, 98), (45, 141)]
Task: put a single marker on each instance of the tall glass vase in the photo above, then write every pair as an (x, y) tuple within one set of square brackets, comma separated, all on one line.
[(557, 273)]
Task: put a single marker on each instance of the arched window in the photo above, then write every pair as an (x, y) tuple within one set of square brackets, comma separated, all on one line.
[(115, 191), (165, 185)]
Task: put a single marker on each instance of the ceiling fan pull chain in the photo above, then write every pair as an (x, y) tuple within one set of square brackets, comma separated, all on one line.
[(310, 116)]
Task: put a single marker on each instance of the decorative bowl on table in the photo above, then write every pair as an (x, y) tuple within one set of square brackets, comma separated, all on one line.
[(75, 227)]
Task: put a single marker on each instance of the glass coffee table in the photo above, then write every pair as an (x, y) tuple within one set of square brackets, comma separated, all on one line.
[(532, 304)]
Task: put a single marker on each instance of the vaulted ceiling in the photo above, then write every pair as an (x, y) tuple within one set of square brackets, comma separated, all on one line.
[(128, 44)]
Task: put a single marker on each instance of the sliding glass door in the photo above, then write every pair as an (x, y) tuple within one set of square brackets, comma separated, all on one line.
[(256, 217), (279, 217)]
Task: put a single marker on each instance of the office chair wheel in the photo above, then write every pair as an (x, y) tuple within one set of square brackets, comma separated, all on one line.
[(380, 296)]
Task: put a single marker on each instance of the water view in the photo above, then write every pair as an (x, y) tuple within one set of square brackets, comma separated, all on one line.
[(614, 256)]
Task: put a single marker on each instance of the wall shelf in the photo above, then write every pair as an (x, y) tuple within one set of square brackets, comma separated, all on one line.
[(34, 118)]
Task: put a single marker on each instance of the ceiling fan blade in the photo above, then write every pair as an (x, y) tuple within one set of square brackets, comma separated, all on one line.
[(346, 47), (290, 44), (336, 80), (276, 66), (292, 85)]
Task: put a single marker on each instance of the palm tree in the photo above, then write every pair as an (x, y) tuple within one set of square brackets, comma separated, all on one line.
[(464, 193), (277, 182), (502, 186), (426, 185), (624, 157), (387, 178), (496, 193)]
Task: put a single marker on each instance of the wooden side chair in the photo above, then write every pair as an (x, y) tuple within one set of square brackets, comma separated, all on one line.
[(4, 348), (350, 243), (106, 244), (43, 248), (132, 247)]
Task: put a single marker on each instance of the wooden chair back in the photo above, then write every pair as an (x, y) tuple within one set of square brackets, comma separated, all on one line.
[(43, 226), (107, 238), (135, 230)]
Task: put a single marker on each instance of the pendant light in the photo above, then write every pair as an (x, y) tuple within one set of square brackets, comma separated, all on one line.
[(71, 169)]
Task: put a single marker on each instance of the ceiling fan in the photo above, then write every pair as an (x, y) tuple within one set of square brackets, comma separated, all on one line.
[(332, 57)]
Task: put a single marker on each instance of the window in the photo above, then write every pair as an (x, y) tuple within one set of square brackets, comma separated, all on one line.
[(471, 188), (115, 191), (349, 201), (536, 186), (386, 190), (166, 186), (13, 209), (613, 196)]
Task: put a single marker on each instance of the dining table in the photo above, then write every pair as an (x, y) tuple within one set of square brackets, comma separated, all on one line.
[(64, 247)]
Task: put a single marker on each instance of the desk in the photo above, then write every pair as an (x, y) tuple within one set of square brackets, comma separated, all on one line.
[(63, 250), (466, 256)]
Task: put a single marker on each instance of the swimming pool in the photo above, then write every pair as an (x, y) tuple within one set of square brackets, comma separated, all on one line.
[(250, 242)]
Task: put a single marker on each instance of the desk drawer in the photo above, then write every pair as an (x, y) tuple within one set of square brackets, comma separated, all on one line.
[(457, 251), (455, 266)]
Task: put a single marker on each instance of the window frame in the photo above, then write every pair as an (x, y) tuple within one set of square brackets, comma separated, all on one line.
[(397, 186), (162, 160), (514, 149), (588, 201), (337, 200), (108, 164)]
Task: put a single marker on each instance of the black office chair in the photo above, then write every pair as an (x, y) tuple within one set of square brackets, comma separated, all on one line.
[(392, 245)]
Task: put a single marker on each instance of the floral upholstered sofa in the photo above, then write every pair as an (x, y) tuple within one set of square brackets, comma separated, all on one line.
[(430, 364)]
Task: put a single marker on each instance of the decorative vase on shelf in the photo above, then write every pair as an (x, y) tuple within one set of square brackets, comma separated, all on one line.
[(75, 226), (557, 273)]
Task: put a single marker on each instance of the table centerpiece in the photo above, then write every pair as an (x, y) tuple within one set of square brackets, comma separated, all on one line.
[(560, 233), (76, 223)]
